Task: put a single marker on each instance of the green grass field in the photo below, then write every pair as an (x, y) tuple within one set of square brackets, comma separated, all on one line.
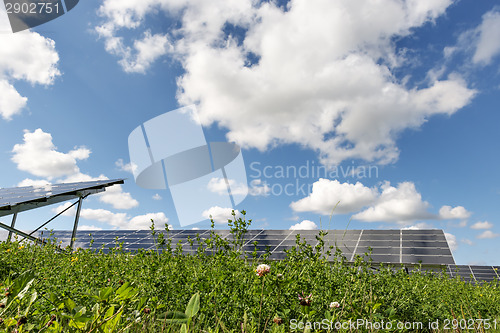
[(43, 290)]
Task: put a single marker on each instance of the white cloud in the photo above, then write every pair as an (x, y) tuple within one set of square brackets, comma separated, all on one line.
[(88, 227), (11, 102), (258, 188), (79, 153), (38, 156), (123, 221), (452, 241), (419, 226), (219, 214), (69, 212), (488, 42), (327, 193), (488, 234), (24, 56), (105, 216), (128, 167), (144, 221), (115, 196), (157, 197), (146, 51), (323, 77), (219, 186), (82, 177), (304, 225), (401, 204), (467, 241), (482, 225), (118, 220), (449, 213)]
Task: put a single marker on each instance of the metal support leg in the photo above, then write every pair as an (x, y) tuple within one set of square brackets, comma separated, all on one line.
[(14, 218), (75, 227)]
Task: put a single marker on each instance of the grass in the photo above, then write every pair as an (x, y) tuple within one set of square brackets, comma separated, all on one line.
[(42, 290)]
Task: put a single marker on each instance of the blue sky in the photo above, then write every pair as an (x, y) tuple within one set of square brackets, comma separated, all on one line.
[(406, 91)]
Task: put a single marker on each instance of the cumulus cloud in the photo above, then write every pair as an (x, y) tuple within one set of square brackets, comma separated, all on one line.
[(11, 102), (449, 213), (25, 56), (39, 156), (113, 195), (219, 186), (401, 204), (482, 225), (327, 193), (452, 241), (116, 220), (258, 188), (88, 227), (319, 74), (157, 197), (128, 167), (70, 212), (116, 197), (219, 214), (467, 241), (488, 234), (481, 43), (304, 225), (419, 226), (144, 221), (488, 41)]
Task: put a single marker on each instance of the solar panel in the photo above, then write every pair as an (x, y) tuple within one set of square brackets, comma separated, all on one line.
[(387, 246), (425, 250), (18, 199)]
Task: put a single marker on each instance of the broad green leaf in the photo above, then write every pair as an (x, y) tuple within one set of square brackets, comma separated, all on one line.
[(70, 304), (111, 324), (104, 293), (193, 306), (109, 312)]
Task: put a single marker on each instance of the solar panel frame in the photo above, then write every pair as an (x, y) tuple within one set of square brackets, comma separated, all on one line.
[(384, 244), (18, 199)]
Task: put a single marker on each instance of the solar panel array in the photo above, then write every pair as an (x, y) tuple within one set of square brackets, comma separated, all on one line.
[(408, 247), (27, 197), (387, 246)]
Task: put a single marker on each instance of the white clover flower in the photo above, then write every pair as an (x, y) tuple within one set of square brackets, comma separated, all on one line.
[(334, 305), (262, 269)]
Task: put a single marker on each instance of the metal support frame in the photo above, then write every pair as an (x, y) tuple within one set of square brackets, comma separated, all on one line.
[(75, 191), (77, 218), (13, 223), (30, 236), (19, 232)]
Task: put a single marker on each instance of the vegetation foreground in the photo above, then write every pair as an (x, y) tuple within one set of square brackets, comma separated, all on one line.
[(221, 290)]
